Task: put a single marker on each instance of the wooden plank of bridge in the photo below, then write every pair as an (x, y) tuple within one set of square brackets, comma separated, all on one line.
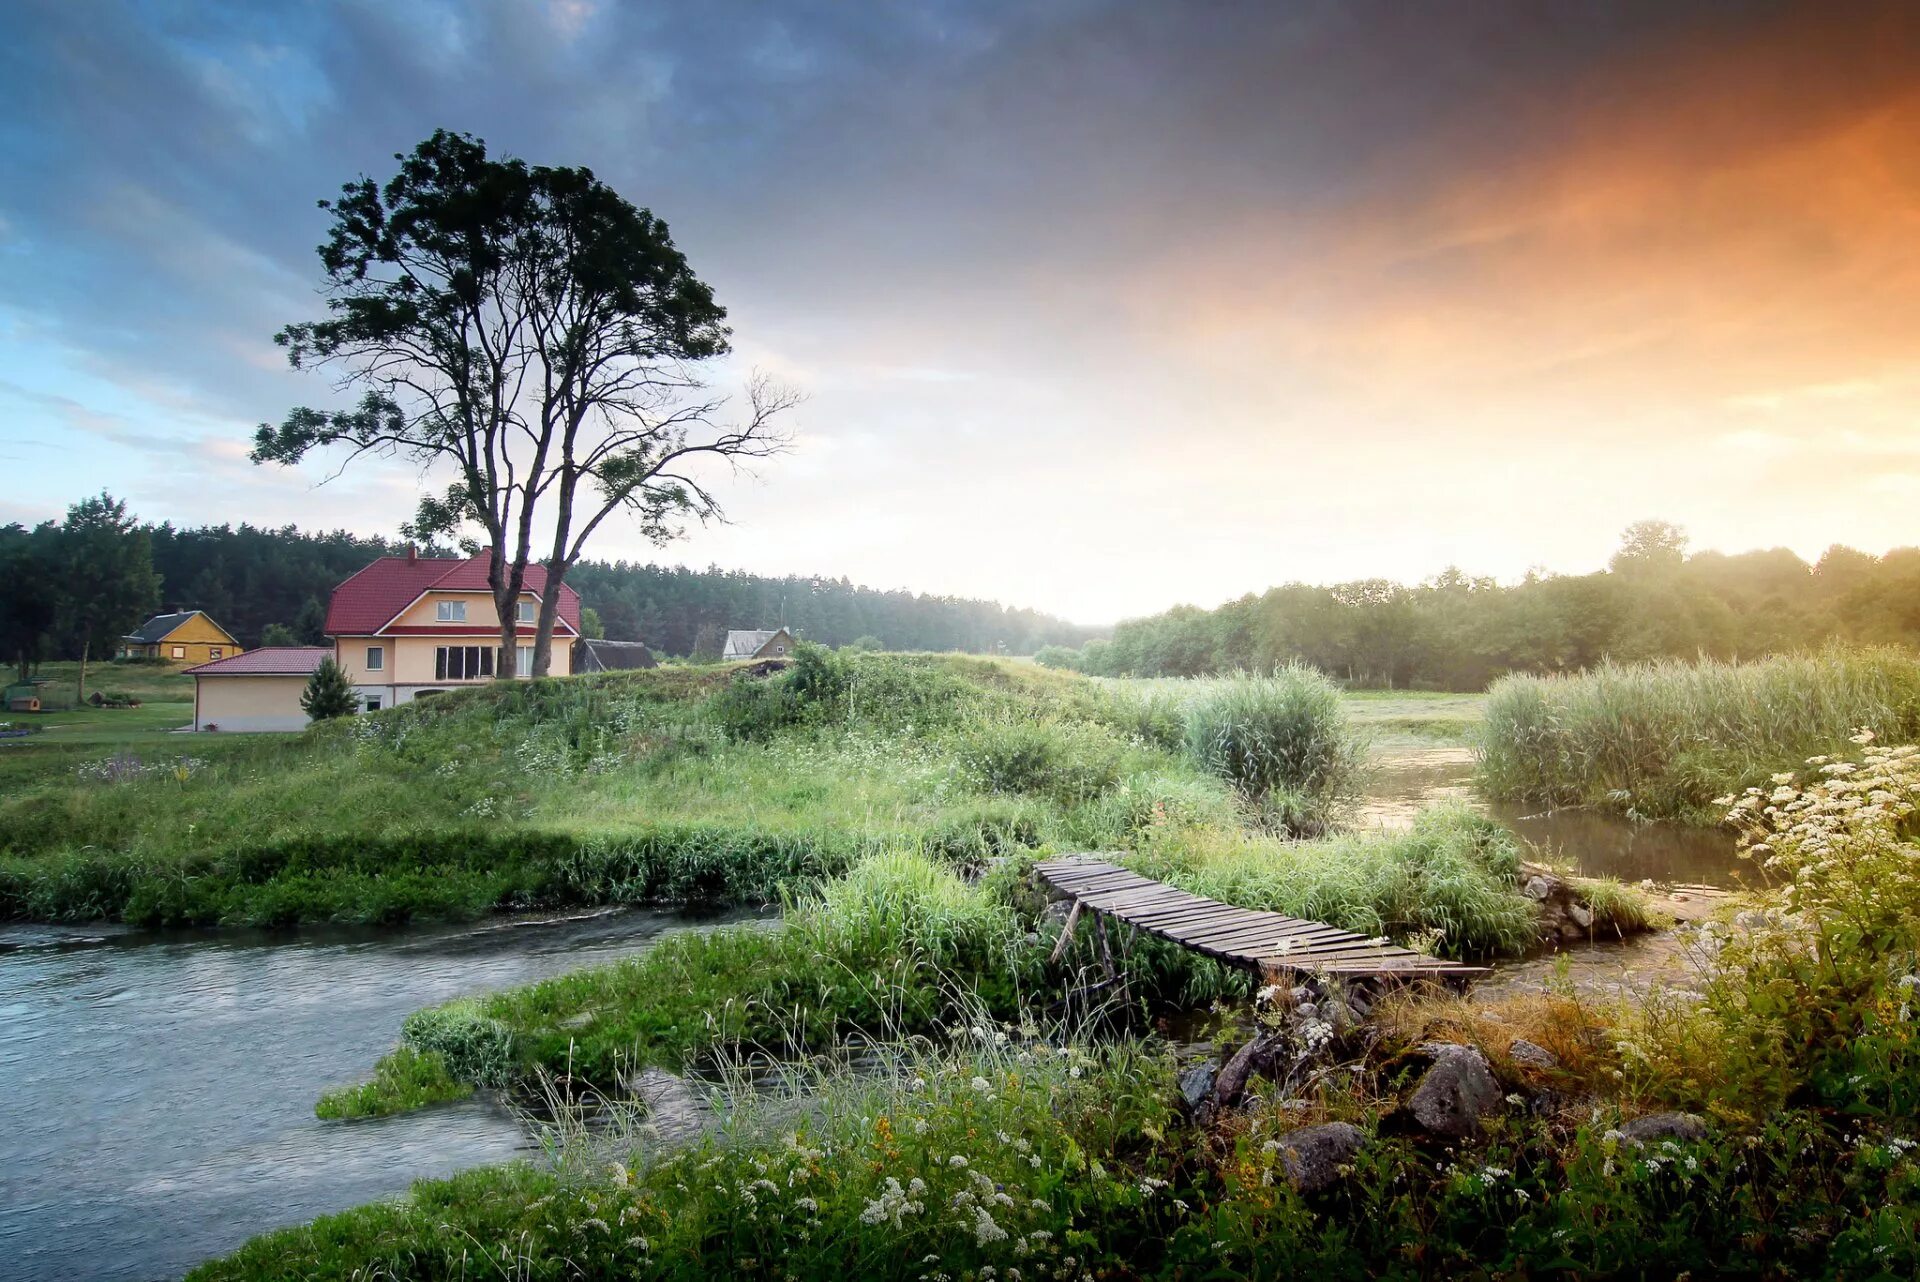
[(1245, 937)]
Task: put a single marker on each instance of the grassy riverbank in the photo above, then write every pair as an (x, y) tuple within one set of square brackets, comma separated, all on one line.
[(1036, 1150), (674, 784), (682, 784), (1663, 740), (903, 945)]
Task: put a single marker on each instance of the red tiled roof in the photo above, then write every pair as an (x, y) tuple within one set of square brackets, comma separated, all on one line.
[(369, 599), (268, 661)]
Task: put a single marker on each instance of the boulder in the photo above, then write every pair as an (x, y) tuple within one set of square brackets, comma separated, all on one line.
[(1255, 1057), (1455, 1093), (1196, 1086), (1540, 887), (1315, 1156), (1663, 1126), (1531, 1054)]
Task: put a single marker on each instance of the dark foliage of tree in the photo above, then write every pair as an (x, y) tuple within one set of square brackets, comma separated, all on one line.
[(536, 333), (75, 588), (248, 578), (679, 611), (328, 693), (1458, 633), (269, 587)]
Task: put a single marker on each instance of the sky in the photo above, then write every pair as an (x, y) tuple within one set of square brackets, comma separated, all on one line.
[(1096, 307)]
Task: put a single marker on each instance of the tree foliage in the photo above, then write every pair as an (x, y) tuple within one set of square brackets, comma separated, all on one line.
[(530, 332), (269, 586), (1457, 632), (328, 693)]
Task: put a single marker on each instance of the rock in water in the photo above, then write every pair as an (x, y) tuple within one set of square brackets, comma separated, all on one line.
[(1663, 1126), (1531, 1054), (1455, 1093), (1316, 1156)]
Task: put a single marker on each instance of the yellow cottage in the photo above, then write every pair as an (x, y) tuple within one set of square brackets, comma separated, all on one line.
[(188, 637)]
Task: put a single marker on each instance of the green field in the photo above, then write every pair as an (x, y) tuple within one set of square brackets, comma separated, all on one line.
[(1387, 717), (164, 692)]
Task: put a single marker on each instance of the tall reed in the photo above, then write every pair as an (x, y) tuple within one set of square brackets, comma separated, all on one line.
[(1663, 739)]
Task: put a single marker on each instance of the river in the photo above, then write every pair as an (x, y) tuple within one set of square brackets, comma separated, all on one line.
[(157, 1088)]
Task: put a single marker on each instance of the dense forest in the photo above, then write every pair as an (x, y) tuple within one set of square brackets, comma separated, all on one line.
[(271, 586), (1455, 632)]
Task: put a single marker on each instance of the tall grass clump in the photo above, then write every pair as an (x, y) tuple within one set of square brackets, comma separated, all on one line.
[(1284, 742), (1662, 739)]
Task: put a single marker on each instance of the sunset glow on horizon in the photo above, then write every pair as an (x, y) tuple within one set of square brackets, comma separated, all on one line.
[(1098, 308)]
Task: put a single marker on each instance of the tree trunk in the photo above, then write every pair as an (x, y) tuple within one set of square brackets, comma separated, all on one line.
[(506, 581), (549, 614), (80, 686)]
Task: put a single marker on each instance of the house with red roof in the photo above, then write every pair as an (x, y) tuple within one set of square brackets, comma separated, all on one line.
[(403, 627), (412, 625)]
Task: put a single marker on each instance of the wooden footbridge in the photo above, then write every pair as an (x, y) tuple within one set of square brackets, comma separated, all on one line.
[(1264, 942)]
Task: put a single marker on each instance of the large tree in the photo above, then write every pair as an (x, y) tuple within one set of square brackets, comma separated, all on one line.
[(29, 593), (535, 334), (107, 585)]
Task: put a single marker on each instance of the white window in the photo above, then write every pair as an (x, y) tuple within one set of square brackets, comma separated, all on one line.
[(373, 703), (376, 658), (214, 652), (462, 662), (523, 661), (525, 612), (452, 611), (179, 652)]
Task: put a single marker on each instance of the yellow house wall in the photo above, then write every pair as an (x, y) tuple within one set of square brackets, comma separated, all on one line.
[(410, 661), (249, 703), (198, 637)]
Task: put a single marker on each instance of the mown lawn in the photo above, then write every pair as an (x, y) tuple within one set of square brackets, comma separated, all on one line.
[(164, 691)]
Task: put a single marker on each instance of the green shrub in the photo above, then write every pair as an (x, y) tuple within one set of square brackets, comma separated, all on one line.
[(1284, 741), (469, 1045), (1067, 762)]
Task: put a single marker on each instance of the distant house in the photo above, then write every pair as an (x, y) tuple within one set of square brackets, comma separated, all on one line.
[(403, 627), (758, 645), (188, 636), (611, 656), (412, 625), (258, 690)]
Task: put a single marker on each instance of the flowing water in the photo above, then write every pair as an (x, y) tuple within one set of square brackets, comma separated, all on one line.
[(157, 1089)]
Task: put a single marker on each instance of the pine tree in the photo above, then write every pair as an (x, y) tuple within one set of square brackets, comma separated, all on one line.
[(327, 694)]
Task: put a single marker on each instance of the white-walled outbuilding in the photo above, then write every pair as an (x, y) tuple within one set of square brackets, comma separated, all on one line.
[(258, 690)]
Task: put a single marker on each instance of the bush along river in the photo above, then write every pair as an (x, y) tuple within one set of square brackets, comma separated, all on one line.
[(157, 1089)]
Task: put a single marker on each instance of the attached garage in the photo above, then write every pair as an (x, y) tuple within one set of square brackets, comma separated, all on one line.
[(258, 690)]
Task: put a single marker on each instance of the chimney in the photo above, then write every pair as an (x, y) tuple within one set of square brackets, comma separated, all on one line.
[(413, 553)]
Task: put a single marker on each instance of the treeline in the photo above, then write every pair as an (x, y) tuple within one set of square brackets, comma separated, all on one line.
[(683, 612), (80, 584), (1455, 632)]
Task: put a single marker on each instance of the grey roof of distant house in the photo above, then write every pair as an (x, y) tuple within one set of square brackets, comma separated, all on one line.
[(156, 628), (746, 644), (613, 656)]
